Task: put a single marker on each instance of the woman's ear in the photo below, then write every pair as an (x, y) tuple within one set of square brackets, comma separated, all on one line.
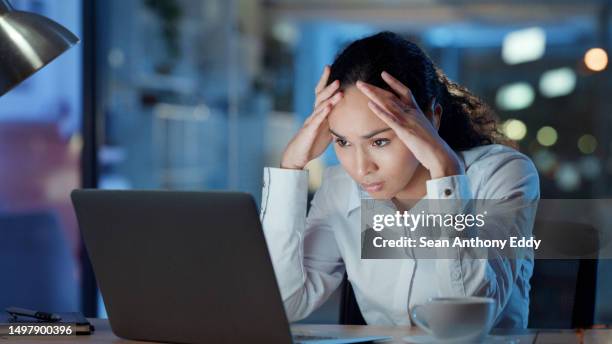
[(436, 113)]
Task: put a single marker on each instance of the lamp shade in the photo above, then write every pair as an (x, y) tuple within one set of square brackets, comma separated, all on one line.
[(28, 42)]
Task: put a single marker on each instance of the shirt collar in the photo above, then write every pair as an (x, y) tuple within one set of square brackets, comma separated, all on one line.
[(356, 194)]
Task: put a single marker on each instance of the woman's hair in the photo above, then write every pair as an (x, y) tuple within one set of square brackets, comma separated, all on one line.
[(466, 121)]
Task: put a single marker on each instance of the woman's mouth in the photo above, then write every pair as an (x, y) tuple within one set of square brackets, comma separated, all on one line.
[(373, 187)]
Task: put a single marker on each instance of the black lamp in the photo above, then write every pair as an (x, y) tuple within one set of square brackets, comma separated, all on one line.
[(28, 42)]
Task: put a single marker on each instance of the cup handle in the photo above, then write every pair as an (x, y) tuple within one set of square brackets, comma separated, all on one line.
[(417, 318)]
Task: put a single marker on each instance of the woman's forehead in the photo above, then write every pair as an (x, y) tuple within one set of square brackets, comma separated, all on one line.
[(352, 116)]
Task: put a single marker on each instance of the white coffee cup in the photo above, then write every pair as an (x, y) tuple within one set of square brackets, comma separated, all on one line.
[(456, 319)]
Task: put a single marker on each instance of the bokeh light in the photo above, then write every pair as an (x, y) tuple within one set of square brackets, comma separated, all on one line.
[(596, 59), (514, 129), (567, 177), (547, 136), (515, 96), (524, 45), (590, 167), (545, 160), (587, 144), (557, 82)]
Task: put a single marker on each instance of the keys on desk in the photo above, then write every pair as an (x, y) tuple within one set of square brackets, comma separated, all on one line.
[(325, 339)]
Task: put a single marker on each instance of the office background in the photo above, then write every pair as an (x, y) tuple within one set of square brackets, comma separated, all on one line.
[(202, 94)]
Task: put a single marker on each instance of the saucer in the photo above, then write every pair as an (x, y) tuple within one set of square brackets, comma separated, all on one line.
[(427, 339)]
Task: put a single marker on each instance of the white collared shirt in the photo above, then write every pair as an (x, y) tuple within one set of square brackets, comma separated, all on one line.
[(310, 254)]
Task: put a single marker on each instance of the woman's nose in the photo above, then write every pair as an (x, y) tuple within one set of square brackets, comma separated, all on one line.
[(365, 165)]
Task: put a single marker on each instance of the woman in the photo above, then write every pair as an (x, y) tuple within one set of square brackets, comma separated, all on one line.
[(401, 131)]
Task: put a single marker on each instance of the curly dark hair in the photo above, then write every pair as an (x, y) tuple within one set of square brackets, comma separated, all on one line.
[(466, 121)]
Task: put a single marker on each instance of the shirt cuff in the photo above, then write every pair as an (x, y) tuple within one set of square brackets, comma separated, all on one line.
[(451, 187), (284, 197), (449, 195)]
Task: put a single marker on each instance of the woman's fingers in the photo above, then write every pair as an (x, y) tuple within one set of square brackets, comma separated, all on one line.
[(327, 92), (381, 97), (333, 100), (376, 92), (391, 119), (321, 116), (403, 92), (323, 80), (330, 101)]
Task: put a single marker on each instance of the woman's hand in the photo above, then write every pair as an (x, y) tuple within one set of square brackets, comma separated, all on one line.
[(314, 136), (402, 113)]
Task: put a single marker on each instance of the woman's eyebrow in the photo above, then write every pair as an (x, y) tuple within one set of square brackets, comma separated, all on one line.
[(336, 134), (367, 136), (375, 132)]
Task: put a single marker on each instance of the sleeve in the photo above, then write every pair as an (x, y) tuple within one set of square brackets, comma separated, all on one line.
[(510, 182), (303, 249)]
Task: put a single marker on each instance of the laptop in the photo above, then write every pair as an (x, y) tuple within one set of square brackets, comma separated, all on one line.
[(185, 267)]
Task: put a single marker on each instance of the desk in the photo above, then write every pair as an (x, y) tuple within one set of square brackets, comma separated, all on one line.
[(103, 334)]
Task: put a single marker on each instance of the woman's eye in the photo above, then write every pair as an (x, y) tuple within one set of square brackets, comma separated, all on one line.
[(341, 142), (381, 142)]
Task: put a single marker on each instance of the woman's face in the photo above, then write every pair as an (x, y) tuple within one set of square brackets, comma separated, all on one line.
[(368, 149)]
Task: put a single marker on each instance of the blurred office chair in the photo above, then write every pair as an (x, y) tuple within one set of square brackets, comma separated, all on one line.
[(37, 266), (350, 314), (562, 290)]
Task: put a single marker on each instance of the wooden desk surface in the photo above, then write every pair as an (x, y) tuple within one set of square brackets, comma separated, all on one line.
[(103, 334)]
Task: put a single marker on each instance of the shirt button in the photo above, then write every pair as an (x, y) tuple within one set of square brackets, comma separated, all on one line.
[(455, 275), (447, 192)]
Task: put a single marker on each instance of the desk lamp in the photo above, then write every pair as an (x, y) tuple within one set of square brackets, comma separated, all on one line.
[(28, 42)]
